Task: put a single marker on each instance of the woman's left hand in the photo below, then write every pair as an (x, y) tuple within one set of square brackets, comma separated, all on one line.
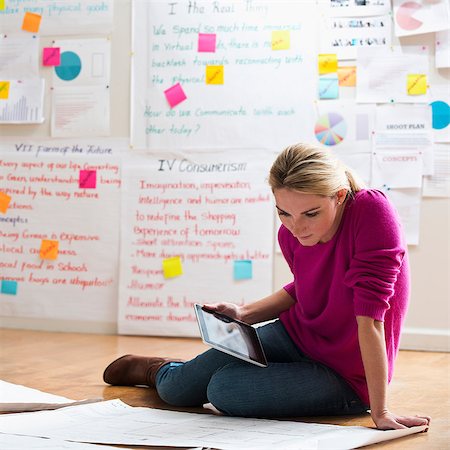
[(390, 421)]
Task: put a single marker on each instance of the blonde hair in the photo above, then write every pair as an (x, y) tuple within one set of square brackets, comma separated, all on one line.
[(312, 170)]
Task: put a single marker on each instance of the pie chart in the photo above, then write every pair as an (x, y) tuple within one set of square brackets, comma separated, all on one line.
[(330, 129), (404, 16), (70, 66)]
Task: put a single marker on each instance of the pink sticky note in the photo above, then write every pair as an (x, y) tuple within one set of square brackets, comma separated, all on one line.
[(175, 95), (88, 179), (51, 56), (206, 42)]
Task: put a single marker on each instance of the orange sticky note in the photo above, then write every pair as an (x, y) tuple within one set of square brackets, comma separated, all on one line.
[(4, 202), (416, 84), (347, 76), (214, 74), (4, 90), (172, 267), (281, 40), (49, 249), (328, 63), (31, 22)]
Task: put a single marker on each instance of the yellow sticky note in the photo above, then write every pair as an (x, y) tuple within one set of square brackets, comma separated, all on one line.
[(4, 90), (347, 76), (417, 84), (214, 74), (2, 5), (328, 63), (172, 267), (4, 202), (49, 249), (31, 22), (281, 40)]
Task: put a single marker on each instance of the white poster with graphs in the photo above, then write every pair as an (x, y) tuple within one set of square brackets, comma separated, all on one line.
[(218, 75), (59, 236), (196, 228)]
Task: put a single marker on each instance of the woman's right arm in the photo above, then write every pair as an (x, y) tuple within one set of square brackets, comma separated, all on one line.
[(267, 308)]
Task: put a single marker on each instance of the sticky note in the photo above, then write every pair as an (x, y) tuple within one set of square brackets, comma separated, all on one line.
[(242, 269), (214, 74), (417, 84), (281, 40), (328, 63), (206, 42), (328, 86), (49, 249), (9, 287), (4, 90), (2, 5), (347, 76), (87, 179), (31, 22), (4, 202), (175, 95), (51, 56), (172, 267)]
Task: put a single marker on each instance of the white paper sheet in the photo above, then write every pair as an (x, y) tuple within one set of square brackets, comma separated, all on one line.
[(19, 56), (357, 8), (382, 74), (438, 185), (442, 49), (60, 17), (25, 103), (208, 209), (114, 422), (420, 16), (440, 106)]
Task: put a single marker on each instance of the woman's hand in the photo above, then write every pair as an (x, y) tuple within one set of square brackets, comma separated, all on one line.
[(390, 421), (229, 309)]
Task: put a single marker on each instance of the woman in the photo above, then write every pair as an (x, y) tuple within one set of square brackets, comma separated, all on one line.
[(332, 347)]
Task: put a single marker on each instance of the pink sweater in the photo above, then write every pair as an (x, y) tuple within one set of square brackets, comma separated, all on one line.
[(362, 271)]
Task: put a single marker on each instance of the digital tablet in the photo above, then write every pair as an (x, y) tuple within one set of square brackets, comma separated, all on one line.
[(230, 336)]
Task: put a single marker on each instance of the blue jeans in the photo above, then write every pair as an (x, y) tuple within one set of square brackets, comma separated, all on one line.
[(292, 384)]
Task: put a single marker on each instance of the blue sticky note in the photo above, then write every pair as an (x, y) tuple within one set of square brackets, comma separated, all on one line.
[(328, 86), (9, 287), (243, 269)]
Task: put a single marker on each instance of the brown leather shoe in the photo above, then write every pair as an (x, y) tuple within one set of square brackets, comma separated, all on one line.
[(133, 370)]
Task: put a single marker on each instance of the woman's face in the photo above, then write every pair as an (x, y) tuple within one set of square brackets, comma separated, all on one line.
[(310, 218)]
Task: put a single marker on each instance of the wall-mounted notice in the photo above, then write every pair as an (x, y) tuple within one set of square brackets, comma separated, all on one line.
[(187, 221), (60, 17), (253, 87), (60, 236)]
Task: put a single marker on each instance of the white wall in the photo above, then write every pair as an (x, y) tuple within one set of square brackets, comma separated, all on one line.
[(428, 322)]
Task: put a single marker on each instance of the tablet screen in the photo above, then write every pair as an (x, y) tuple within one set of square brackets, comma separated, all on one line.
[(230, 336)]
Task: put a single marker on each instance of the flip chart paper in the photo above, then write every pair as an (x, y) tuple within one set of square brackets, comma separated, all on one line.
[(5, 199), (206, 42), (51, 56), (175, 95), (49, 249), (416, 84), (172, 267), (31, 22), (214, 74), (9, 287), (281, 40)]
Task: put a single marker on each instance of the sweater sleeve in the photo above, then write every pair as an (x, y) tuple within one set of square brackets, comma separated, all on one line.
[(377, 257), (288, 253)]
